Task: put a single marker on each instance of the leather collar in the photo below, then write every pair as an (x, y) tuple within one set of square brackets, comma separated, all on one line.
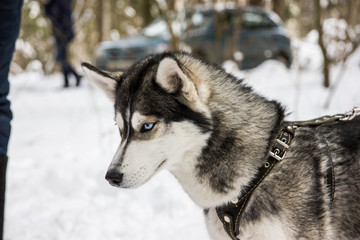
[(230, 213)]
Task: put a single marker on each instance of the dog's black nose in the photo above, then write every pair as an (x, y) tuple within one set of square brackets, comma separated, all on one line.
[(114, 177)]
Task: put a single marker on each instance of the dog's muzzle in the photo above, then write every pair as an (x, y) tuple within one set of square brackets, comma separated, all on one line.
[(114, 177)]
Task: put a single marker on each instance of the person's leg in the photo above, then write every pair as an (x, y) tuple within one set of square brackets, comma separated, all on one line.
[(66, 71), (76, 75), (3, 166), (61, 59), (10, 18)]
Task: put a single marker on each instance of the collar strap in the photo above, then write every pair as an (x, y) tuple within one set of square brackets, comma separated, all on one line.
[(327, 120), (230, 213)]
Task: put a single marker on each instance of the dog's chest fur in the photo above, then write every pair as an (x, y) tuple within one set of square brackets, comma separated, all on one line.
[(294, 201)]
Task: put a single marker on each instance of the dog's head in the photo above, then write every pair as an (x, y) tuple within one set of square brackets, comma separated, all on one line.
[(162, 115)]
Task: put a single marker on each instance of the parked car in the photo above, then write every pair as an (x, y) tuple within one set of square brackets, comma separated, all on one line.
[(247, 35)]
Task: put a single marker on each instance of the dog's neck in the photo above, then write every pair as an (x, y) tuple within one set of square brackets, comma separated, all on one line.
[(244, 124)]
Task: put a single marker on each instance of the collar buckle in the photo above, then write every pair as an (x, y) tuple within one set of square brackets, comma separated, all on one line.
[(281, 145)]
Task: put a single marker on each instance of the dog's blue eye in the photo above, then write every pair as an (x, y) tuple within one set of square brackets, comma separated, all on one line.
[(147, 127)]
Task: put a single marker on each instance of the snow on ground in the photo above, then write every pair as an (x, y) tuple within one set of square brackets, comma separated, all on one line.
[(63, 141)]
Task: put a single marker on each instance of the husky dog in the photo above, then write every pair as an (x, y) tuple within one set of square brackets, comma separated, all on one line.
[(213, 133)]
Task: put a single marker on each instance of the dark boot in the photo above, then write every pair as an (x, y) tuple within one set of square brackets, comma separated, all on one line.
[(3, 165), (77, 76), (78, 79), (66, 70), (66, 81)]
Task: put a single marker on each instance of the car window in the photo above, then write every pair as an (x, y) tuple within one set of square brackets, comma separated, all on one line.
[(196, 21), (158, 27), (224, 22), (255, 20)]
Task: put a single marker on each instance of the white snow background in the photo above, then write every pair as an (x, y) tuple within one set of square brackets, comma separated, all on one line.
[(63, 140)]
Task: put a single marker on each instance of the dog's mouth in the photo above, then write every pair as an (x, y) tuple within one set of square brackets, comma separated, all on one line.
[(160, 165), (158, 169)]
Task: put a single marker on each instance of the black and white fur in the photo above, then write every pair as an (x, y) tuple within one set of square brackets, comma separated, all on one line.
[(212, 132)]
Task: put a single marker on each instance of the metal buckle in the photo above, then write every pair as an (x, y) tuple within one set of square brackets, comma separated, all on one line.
[(276, 151), (350, 115), (277, 157), (282, 143)]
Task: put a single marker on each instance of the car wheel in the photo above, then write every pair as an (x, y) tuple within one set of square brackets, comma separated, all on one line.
[(283, 59)]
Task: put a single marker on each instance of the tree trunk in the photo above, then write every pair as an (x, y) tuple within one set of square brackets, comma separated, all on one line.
[(165, 14), (318, 25), (305, 20), (259, 3), (104, 20), (353, 10), (279, 8), (145, 7)]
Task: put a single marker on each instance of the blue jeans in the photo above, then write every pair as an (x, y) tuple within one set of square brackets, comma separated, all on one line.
[(10, 18)]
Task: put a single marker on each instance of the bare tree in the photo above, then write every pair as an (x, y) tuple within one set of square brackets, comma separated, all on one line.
[(167, 12), (259, 3), (318, 25), (305, 20), (145, 11), (104, 19), (350, 41), (279, 8)]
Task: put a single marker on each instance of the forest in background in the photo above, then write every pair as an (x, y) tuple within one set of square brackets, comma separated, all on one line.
[(96, 21)]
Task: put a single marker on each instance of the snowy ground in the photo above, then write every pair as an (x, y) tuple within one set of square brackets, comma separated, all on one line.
[(63, 141)]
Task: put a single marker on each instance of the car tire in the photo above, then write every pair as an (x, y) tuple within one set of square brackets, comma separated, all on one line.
[(283, 59)]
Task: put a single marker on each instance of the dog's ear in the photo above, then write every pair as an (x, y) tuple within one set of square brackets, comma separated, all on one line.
[(107, 81), (172, 79)]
